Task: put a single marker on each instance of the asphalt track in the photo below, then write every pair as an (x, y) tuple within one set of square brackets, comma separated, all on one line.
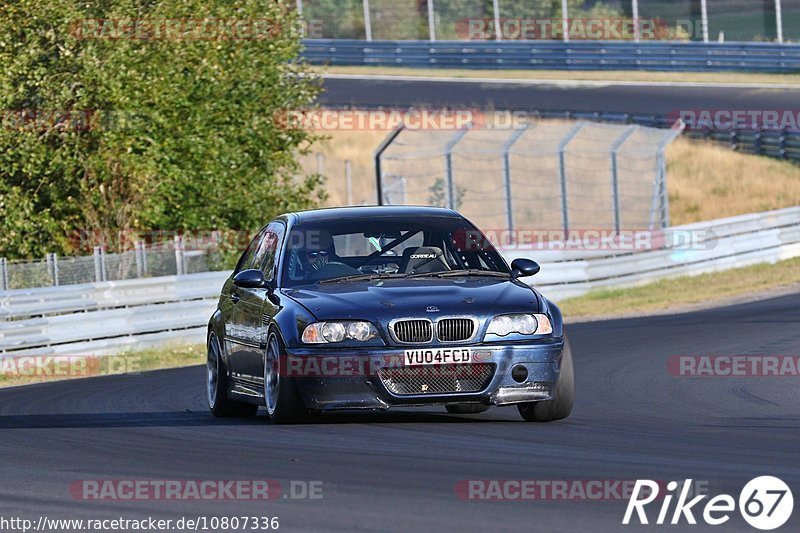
[(397, 471), (652, 99)]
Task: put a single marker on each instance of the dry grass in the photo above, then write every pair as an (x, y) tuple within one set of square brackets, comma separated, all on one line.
[(356, 146), (706, 181), (588, 75), (688, 290), (134, 362)]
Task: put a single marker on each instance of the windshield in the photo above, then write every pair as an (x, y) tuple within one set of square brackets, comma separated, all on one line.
[(387, 248)]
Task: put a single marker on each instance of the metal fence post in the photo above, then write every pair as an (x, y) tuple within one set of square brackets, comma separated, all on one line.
[(180, 263), (145, 268), (387, 142), (348, 180), (562, 171), (367, 21), (3, 274), (103, 263), (48, 259), (779, 20), (98, 263), (615, 173), (565, 20), (320, 164), (507, 178), (704, 19), (138, 254), (52, 268), (637, 34), (498, 32), (300, 14), (448, 162), (660, 201), (431, 22)]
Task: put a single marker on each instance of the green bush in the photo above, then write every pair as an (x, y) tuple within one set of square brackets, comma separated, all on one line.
[(137, 132)]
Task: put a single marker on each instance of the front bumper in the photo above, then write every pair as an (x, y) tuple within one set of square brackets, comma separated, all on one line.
[(347, 379)]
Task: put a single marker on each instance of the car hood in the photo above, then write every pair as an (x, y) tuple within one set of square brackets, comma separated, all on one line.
[(383, 300)]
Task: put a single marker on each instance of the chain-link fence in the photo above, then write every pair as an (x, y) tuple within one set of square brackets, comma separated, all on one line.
[(696, 20), (167, 258), (548, 175)]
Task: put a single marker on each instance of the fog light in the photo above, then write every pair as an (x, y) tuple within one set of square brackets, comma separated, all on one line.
[(519, 373)]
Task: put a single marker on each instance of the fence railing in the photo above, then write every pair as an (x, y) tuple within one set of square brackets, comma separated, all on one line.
[(98, 317), (715, 20), (717, 245), (555, 55), (555, 175), (104, 317), (143, 261)]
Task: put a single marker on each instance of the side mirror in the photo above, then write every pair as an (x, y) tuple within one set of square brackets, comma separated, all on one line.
[(522, 268), (250, 279)]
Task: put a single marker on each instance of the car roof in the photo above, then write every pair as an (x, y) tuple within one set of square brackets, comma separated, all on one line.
[(369, 212)]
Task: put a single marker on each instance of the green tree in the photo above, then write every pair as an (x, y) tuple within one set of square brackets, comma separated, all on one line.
[(143, 131), (335, 19)]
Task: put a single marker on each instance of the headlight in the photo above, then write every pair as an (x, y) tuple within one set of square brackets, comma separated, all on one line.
[(328, 332), (523, 324)]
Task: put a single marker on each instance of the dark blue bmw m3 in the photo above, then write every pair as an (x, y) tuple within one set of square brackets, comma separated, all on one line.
[(377, 307)]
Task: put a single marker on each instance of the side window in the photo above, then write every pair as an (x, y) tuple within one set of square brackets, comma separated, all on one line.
[(246, 261), (267, 251)]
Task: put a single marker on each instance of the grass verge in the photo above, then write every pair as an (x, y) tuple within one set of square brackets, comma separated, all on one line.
[(36, 369), (680, 293), (586, 75)]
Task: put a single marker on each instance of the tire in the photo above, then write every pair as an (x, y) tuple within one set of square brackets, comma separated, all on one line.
[(560, 406), (466, 409), (217, 385), (284, 405)]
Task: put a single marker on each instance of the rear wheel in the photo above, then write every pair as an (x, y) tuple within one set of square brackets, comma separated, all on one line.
[(217, 385), (466, 409), (284, 404), (560, 406)]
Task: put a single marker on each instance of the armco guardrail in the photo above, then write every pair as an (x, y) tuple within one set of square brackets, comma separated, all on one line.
[(719, 245), (778, 144), (105, 317), (573, 55)]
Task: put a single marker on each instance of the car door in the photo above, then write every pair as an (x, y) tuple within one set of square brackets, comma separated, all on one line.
[(249, 311), (235, 334)]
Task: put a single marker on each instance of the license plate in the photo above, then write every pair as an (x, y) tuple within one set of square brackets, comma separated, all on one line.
[(437, 356)]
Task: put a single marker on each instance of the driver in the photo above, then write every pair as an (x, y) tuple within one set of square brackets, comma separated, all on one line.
[(318, 252)]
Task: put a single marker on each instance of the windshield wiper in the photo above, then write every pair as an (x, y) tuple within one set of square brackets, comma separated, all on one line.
[(463, 272), (361, 277)]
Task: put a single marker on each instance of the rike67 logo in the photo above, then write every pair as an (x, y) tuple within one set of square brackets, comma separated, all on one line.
[(765, 503)]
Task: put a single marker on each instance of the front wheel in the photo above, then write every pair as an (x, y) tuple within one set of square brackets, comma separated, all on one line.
[(560, 406), (284, 405), (217, 385)]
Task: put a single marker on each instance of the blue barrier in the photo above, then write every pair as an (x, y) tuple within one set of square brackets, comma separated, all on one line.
[(557, 55)]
